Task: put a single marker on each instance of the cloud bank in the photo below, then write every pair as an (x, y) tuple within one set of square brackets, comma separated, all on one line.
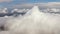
[(34, 22), (49, 4), (5, 1)]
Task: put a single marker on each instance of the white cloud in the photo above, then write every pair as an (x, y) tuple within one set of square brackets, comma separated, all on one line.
[(35, 22)]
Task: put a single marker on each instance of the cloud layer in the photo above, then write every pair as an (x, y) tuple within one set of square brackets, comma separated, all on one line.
[(49, 4), (5, 1)]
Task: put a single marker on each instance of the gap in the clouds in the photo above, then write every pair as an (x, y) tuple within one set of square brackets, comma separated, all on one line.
[(35, 1)]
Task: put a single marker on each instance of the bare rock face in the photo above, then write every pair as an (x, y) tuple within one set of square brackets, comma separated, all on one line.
[(34, 22)]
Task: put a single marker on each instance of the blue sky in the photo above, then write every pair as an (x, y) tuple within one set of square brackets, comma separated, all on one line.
[(14, 2)]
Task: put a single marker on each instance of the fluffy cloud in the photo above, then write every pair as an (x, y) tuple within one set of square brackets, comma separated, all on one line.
[(34, 23), (5, 1)]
